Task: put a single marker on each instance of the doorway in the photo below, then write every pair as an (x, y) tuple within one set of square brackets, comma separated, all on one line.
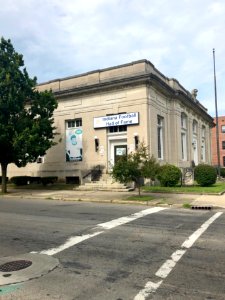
[(116, 147), (119, 151)]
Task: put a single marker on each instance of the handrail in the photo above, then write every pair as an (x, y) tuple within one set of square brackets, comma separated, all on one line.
[(95, 173)]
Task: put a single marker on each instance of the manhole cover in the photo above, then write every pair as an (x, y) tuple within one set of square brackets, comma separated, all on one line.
[(15, 265)]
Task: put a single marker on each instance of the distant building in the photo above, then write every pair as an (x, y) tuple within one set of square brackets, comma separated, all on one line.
[(221, 127), (106, 113)]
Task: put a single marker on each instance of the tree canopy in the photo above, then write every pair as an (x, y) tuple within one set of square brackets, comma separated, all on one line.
[(26, 114), (135, 166)]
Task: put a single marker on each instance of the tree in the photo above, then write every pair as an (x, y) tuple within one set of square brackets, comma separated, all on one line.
[(26, 115), (150, 168), (135, 166)]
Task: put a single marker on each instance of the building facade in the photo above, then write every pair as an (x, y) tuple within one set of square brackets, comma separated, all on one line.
[(221, 136), (104, 114)]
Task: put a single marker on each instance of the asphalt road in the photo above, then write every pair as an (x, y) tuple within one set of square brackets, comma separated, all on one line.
[(115, 252)]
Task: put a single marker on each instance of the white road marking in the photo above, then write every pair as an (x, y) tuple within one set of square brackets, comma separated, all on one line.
[(124, 220), (192, 238), (70, 242), (150, 287), (167, 267), (107, 225)]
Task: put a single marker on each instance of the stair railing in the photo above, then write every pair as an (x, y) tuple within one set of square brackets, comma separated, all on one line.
[(95, 173)]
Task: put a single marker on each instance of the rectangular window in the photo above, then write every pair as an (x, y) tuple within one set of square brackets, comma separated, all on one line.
[(184, 145), (117, 128), (120, 128), (160, 136), (74, 123), (223, 145), (223, 128), (224, 161)]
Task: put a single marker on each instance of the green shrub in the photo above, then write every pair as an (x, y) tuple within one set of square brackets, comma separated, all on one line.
[(20, 180), (205, 175), (35, 179), (48, 180), (169, 175), (222, 172)]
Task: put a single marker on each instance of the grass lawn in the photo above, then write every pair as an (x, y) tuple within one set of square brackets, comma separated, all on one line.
[(140, 198), (218, 187), (185, 203)]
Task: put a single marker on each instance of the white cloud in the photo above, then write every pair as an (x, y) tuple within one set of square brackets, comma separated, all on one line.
[(62, 38), (217, 8)]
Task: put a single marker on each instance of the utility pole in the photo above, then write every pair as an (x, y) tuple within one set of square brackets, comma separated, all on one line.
[(217, 125)]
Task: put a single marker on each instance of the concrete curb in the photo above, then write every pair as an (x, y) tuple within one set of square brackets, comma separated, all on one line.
[(41, 265), (102, 198)]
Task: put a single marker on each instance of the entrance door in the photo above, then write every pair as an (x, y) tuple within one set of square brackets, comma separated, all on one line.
[(119, 151), (114, 145)]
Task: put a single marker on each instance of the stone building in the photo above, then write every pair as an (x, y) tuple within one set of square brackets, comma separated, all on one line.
[(106, 113), (221, 129)]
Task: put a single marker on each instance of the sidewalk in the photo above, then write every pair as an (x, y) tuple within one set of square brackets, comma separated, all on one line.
[(176, 200), (210, 200)]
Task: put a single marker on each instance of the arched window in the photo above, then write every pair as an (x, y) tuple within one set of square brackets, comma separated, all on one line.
[(203, 146), (195, 127), (160, 125), (183, 136), (195, 141)]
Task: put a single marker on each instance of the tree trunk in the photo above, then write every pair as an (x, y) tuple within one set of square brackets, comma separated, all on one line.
[(138, 185), (139, 190), (4, 177)]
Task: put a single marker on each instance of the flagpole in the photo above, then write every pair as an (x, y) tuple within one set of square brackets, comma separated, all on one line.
[(217, 125)]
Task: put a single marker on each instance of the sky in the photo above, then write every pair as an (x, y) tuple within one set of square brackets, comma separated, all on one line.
[(65, 38)]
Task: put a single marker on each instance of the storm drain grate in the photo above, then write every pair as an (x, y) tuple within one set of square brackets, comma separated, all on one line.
[(15, 265), (201, 207)]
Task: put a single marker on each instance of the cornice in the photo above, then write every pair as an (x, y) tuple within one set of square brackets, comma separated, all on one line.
[(147, 79), (103, 86), (189, 102)]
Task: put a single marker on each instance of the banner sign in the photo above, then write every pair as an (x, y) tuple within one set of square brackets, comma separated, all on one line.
[(74, 144), (117, 120)]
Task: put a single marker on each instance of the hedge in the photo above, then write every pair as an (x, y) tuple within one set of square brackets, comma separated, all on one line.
[(205, 175), (169, 175), (24, 180), (20, 180)]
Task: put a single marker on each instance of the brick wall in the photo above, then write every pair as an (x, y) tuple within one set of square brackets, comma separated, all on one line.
[(221, 122)]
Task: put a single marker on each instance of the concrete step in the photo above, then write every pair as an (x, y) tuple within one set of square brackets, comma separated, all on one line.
[(84, 188), (106, 183), (100, 186)]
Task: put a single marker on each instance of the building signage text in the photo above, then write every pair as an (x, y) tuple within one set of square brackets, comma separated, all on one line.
[(117, 120)]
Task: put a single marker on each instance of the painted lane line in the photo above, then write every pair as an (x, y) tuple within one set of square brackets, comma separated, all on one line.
[(106, 226), (192, 238), (168, 266), (150, 287), (124, 220), (70, 242)]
